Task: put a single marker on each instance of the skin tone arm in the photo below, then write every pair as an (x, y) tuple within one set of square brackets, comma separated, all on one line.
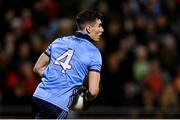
[(41, 64), (93, 85)]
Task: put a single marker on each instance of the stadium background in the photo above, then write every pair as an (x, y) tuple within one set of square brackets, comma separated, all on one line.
[(140, 49)]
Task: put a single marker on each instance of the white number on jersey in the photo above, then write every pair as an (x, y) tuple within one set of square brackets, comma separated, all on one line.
[(65, 64)]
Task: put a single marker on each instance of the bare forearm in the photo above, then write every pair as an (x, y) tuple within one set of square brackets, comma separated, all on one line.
[(39, 71)]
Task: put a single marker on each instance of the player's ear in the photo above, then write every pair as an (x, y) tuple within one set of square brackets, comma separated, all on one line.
[(88, 29)]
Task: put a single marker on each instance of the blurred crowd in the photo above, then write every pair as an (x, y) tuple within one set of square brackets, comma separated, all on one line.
[(140, 49)]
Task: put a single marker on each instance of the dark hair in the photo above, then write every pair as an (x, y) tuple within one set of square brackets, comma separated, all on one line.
[(86, 16)]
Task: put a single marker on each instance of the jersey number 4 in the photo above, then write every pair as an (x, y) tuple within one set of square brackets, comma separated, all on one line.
[(64, 60)]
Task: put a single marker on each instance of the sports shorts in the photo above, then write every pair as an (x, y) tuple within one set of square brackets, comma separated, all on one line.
[(44, 110)]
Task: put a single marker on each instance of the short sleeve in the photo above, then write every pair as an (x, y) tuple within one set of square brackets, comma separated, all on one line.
[(48, 50), (96, 62)]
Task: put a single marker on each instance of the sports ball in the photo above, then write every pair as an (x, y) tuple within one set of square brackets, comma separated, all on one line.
[(78, 102)]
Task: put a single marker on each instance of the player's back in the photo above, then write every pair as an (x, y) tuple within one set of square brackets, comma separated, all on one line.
[(70, 59), (73, 55)]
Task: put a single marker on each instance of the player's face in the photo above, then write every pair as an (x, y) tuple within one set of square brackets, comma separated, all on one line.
[(96, 30)]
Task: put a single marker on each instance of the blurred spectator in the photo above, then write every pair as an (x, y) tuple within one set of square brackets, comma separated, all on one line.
[(154, 79), (149, 104), (20, 84), (176, 81), (131, 95), (39, 14), (140, 28), (141, 64), (3, 68), (37, 45), (9, 44), (140, 49), (22, 53), (162, 24), (168, 53), (153, 48), (28, 22), (62, 27), (103, 7), (113, 33), (169, 102), (51, 8), (153, 7)]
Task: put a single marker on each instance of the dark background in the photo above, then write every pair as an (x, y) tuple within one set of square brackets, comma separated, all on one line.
[(140, 50)]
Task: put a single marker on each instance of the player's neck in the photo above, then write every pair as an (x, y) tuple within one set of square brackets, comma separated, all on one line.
[(84, 35)]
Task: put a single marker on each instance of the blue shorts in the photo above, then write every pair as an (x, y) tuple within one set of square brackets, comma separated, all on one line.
[(44, 110)]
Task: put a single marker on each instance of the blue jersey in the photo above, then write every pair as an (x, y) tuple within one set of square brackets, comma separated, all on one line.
[(71, 58)]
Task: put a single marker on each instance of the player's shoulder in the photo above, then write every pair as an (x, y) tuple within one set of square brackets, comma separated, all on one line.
[(67, 37), (63, 39)]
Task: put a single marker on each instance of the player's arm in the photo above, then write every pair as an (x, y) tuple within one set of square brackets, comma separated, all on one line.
[(41, 64), (83, 97), (93, 85)]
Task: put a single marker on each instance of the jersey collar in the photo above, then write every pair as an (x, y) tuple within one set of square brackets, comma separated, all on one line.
[(83, 35)]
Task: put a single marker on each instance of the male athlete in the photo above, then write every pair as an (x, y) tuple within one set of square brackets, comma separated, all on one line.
[(65, 64)]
